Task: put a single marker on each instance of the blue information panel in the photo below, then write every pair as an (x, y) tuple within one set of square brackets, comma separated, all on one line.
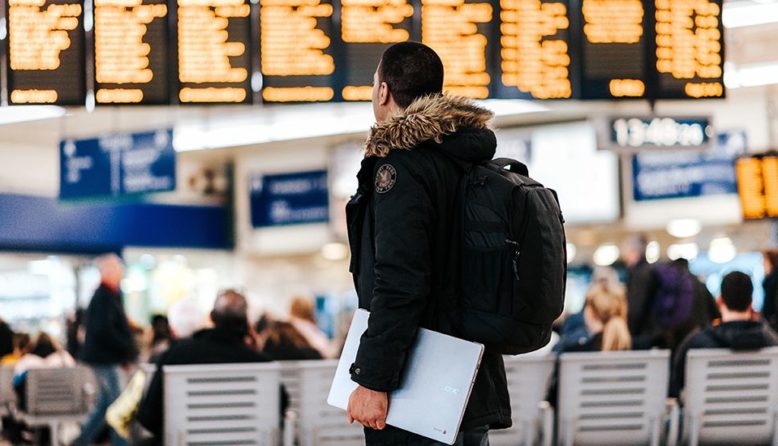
[(117, 165), (289, 199), (688, 174)]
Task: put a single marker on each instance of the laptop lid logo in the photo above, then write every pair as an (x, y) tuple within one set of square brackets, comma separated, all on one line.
[(451, 390)]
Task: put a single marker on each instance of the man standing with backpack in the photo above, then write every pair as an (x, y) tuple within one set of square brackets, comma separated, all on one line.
[(405, 232)]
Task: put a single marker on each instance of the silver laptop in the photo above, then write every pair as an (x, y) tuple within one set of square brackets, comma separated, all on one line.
[(435, 385)]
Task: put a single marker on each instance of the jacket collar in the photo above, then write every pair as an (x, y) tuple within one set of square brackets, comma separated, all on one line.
[(427, 118)]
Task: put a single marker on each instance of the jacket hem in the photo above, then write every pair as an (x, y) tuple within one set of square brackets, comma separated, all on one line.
[(495, 421)]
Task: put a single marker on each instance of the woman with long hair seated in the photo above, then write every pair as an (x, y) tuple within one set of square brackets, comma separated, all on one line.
[(605, 316)]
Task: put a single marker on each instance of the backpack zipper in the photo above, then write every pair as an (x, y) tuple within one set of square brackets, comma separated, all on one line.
[(515, 258)]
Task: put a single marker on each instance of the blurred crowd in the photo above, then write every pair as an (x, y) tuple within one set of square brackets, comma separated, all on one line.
[(665, 306), (105, 340), (662, 305), (659, 305)]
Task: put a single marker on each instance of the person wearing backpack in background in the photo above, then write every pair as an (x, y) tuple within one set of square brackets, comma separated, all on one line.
[(703, 312), (639, 291), (673, 298), (406, 226)]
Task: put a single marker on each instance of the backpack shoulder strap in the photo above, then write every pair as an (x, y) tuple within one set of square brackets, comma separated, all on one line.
[(513, 165)]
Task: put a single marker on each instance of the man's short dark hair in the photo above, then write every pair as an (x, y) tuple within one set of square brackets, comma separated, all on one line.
[(411, 70), (736, 291)]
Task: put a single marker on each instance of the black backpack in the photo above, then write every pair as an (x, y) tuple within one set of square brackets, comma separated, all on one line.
[(514, 259)]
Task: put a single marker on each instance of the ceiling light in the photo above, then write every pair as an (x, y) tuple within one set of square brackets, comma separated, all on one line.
[(653, 252), (40, 267), (24, 113), (283, 124), (335, 251), (751, 75), (684, 227), (571, 251), (721, 250), (686, 251), (753, 14), (606, 255)]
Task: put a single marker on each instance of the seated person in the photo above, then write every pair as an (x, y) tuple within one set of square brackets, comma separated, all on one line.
[(605, 317), (45, 353), (574, 329), (605, 321), (184, 319), (285, 343), (227, 342), (302, 316), (738, 329), (22, 345)]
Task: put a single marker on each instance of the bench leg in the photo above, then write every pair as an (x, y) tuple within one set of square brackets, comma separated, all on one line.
[(289, 428), (694, 431), (568, 430), (54, 434), (655, 432), (529, 433), (775, 429)]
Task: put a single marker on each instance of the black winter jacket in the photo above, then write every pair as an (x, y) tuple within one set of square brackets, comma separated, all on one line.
[(210, 346), (770, 286), (109, 340), (404, 239), (640, 289), (736, 335)]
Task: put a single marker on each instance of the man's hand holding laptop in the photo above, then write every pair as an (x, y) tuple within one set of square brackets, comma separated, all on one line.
[(368, 407)]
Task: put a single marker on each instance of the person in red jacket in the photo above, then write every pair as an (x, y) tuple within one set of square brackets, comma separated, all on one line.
[(109, 345)]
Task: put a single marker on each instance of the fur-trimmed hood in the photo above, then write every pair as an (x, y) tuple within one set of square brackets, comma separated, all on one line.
[(429, 118)]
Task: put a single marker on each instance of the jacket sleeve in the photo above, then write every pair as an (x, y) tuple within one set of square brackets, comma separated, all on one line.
[(120, 333), (404, 218), (109, 327)]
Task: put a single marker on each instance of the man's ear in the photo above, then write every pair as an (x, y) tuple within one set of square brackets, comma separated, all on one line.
[(384, 95)]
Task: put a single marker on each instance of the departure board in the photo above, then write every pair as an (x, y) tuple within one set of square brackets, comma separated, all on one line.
[(459, 31), (214, 51), (131, 51), (757, 179), (296, 51), (368, 27), (534, 59), (689, 49), (614, 49), (46, 58), (287, 51)]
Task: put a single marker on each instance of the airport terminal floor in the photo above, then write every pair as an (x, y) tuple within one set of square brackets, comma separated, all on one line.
[(561, 216)]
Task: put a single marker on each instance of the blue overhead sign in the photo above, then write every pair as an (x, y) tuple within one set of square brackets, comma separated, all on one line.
[(117, 164), (289, 199), (688, 174)]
